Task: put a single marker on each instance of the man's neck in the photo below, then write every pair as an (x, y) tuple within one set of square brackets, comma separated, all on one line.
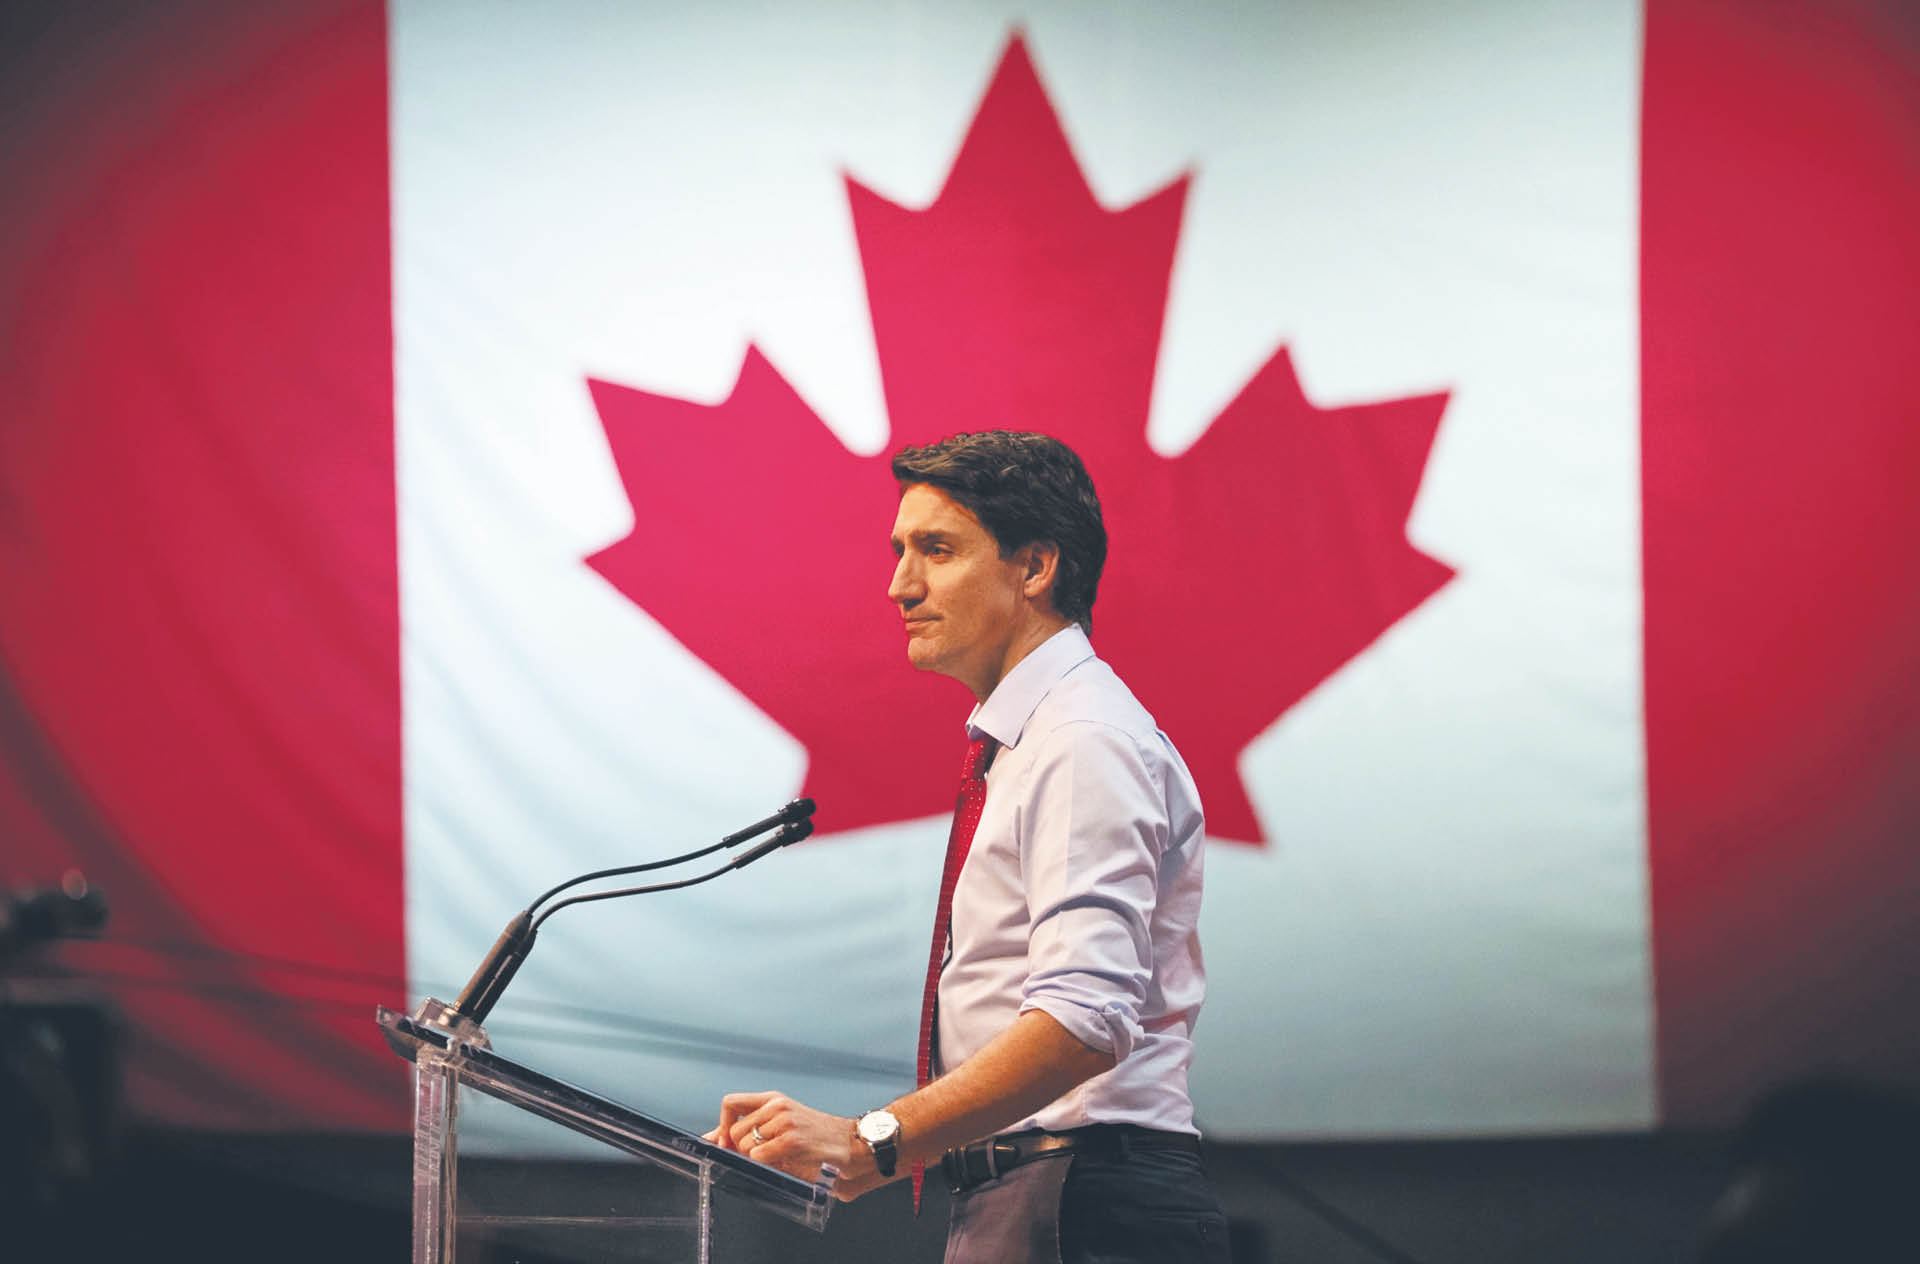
[(1034, 633)]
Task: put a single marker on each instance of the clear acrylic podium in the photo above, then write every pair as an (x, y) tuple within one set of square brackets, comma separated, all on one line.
[(474, 1202)]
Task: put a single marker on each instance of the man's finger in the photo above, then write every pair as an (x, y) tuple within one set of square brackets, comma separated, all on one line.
[(730, 1111), (735, 1107), (743, 1139)]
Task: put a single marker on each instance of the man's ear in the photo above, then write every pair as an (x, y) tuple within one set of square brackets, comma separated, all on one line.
[(1041, 566)]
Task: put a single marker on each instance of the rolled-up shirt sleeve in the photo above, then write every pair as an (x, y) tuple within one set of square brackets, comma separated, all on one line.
[(1091, 831)]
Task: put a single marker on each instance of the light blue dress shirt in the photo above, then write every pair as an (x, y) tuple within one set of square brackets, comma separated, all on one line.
[(1081, 892)]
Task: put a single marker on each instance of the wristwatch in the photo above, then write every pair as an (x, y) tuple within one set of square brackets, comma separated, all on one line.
[(881, 1133)]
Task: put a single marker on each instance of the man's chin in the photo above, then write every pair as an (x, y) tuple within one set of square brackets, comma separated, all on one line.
[(923, 656)]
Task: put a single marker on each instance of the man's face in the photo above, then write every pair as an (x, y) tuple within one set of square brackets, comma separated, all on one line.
[(962, 602)]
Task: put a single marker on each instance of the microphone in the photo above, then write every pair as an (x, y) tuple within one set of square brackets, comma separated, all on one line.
[(792, 832), (503, 960), (785, 838), (497, 970), (797, 810)]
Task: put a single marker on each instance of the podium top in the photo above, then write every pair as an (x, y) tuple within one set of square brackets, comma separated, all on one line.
[(609, 1122)]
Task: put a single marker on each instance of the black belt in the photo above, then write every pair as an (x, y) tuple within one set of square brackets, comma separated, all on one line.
[(974, 1165)]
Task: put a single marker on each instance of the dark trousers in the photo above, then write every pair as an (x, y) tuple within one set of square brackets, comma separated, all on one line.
[(1141, 1206)]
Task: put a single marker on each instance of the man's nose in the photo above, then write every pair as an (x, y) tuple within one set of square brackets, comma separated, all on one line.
[(905, 590)]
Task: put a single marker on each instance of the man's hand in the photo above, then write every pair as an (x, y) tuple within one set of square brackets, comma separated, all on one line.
[(1031, 1063), (774, 1129)]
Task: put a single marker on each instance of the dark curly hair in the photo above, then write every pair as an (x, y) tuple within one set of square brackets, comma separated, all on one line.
[(1024, 488)]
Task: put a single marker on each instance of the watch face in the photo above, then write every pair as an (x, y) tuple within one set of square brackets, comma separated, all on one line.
[(877, 1126)]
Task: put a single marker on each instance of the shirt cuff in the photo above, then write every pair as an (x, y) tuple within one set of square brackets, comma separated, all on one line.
[(1106, 1028)]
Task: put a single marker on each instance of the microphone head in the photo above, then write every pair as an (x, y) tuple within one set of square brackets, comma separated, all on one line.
[(798, 810), (791, 832)]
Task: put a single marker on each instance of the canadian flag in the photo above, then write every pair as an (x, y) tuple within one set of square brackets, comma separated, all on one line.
[(444, 452)]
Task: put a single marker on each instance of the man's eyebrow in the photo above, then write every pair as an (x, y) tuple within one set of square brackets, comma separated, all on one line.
[(921, 538)]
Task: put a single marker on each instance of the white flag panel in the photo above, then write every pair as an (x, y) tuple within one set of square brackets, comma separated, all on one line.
[(1448, 931)]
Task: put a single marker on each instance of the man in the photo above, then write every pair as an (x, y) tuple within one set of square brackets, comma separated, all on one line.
[(1072, 975)]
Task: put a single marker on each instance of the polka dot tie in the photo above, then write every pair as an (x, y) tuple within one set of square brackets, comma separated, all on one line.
[(966, 819)]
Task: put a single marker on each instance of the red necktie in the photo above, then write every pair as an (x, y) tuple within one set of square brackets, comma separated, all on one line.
[(966, 819)]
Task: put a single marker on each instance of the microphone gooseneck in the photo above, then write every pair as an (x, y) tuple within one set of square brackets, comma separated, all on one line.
[(483, 990), (797, 810), (792, 832)]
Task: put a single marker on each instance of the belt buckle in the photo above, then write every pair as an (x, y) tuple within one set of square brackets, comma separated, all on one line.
[(959, 1174), (970, 1166)]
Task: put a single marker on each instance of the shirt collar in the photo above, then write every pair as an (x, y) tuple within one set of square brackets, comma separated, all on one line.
[(1004, 715)]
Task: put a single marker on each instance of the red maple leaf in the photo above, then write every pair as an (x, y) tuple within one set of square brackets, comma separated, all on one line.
[(1242, 573)]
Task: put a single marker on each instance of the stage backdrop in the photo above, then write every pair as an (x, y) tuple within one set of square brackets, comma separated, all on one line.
[(445, 451)]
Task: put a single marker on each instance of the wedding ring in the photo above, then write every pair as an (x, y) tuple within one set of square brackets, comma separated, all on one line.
[(757, 1138)]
